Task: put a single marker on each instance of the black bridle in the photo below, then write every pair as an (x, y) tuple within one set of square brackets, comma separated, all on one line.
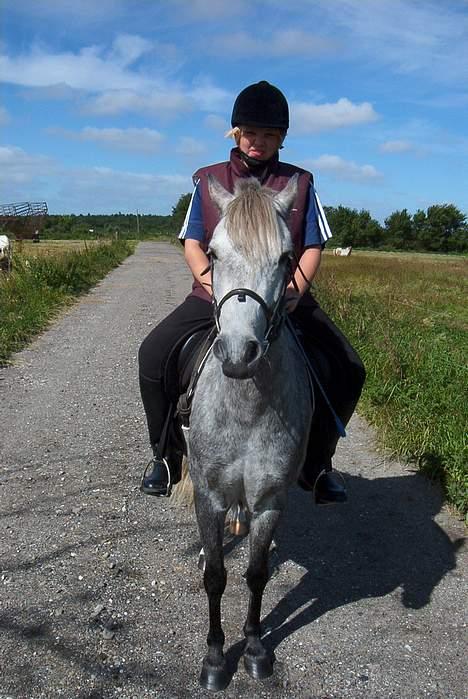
[(274, 316)]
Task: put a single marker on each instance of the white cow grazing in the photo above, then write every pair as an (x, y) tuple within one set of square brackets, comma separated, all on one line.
[(343, 252), (5, 252)]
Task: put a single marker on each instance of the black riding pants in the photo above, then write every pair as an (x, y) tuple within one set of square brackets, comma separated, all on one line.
[(340, 369)]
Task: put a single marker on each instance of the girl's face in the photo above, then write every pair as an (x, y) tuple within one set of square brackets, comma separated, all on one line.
[(259, 143)]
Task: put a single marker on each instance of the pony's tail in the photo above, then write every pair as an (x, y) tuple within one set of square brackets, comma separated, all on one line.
[(182, 493)]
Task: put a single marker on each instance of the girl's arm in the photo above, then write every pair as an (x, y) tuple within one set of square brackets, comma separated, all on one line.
[(309, 264), (198, 262)]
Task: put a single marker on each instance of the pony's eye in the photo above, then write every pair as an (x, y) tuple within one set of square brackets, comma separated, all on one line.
[(285, 258), (212, 254)]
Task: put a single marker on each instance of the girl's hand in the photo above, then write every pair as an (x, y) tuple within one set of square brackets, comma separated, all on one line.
[(292, 299), (303, 276)]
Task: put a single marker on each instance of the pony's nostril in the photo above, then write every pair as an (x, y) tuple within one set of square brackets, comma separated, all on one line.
[(252, 352), (219, 350)]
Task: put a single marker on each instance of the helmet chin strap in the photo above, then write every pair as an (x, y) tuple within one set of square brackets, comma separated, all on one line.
[(253, 163)]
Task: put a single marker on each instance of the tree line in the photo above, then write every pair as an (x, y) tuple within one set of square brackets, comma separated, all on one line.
[(440, 228)]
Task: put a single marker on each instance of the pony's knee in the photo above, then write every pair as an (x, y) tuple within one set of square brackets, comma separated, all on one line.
[(214, 578), (257, 576)]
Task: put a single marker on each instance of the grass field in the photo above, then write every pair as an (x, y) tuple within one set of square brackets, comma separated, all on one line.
[(45, 277), (28, 249), (407, 316)]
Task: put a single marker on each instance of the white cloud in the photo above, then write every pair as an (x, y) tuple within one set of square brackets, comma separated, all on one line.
[(284, 43), (189, 147), (128, 48), (426, 38), (29, 177), (108, 81), (20, 168), (398, 146), (138, 140), (159, 102), (105, 190), (312, 118), (217, 123), (58, 92), (113, 73), (90, 69), (25, 176), (344, 169), (208, 97)]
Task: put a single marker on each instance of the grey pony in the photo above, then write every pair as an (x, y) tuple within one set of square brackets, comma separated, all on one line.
[(251, 410)]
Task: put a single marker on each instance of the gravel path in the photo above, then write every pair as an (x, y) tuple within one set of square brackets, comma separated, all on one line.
[(100, 594)]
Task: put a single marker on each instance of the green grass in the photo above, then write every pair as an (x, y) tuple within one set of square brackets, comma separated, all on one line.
[(407, 316), (46, 278)]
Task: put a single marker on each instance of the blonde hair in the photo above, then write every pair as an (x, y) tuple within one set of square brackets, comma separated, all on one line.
[(236, 133)]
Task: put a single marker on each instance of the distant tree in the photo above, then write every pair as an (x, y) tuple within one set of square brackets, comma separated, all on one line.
[(399, 231), (352, 227), (179, 211), (442, 228), (442, 222), (342, 221), (419, 229), (369, 232)]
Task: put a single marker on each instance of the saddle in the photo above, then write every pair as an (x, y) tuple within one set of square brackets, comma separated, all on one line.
[(181, 374), (181, 369), (182, 361)]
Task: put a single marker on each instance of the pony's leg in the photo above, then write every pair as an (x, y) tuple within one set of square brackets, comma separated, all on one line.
[(214, 674), (258, 662)]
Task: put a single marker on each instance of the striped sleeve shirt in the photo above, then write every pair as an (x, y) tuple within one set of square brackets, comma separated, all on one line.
[(317, 230)]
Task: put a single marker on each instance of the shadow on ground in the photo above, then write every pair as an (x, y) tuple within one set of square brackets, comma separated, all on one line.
[(384, 539)]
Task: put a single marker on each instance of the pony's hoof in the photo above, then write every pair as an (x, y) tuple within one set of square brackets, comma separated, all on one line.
[(213, 678), (259, 668)]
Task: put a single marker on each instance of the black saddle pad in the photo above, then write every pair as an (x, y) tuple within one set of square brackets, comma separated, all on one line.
[(181, 362)]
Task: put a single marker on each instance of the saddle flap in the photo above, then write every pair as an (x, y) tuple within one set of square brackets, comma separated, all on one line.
[(180, 362), (187, 356)]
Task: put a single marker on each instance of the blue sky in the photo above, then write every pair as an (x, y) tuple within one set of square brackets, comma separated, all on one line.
[(110, 105)]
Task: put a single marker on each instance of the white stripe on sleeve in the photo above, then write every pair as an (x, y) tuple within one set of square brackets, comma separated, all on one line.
[(325, 231), (183, 230)]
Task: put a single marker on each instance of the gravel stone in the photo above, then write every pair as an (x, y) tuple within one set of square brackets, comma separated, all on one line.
[(368, 600)]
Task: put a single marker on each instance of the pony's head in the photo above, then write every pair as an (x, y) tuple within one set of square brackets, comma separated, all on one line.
[(250, 250)]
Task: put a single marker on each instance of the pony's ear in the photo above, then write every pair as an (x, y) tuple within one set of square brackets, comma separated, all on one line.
[(285, 199), (219, 195)]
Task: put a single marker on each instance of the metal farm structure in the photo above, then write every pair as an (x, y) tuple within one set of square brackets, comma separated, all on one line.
[(23, 220)]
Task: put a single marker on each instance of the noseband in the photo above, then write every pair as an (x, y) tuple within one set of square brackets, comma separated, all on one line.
[(274, 316)]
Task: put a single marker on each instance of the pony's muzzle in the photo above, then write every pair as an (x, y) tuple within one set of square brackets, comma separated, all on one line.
[(240, 364)]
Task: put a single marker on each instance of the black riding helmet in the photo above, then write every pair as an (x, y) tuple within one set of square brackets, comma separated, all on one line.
[(262, 105)]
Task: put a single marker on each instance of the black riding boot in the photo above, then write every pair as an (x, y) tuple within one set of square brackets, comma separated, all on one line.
[(327, 486), (162, 477), (317, 475), (163, 469)]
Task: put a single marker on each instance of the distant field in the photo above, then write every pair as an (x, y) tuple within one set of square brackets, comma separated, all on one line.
[(51, 247), (407, 316)]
